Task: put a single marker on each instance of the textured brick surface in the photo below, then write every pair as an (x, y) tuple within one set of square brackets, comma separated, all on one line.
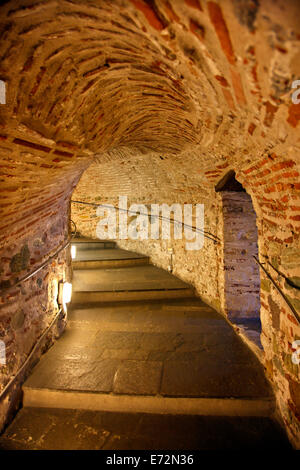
[(165, 97)]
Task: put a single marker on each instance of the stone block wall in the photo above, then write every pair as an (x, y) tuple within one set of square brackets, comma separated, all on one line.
[(28, 308)]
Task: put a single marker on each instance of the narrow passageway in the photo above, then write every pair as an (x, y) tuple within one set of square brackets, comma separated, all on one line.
[(171, 126), (163, 371)]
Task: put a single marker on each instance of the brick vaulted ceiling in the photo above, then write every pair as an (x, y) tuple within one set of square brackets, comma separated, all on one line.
[(208, 84)]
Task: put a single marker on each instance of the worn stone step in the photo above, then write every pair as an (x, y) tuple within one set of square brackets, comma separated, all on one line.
[(152, 315), (85, 400), (157, 357), (114, 263), (126, 284), (68, 429), (107, 258), (134, 278), (92, 244), (86, 297)]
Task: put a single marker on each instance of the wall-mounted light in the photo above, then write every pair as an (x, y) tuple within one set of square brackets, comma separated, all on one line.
[(73, 251), (64, 294), (171, 252), (2, 92), (2, 353)]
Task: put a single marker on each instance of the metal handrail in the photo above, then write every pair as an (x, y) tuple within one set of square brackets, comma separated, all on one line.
[(45, 263), (279, 290), (205, 233)]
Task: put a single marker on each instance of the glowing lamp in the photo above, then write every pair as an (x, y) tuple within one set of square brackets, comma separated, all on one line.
[(64, 294), (2, 353), (67, 293), (73, 251)]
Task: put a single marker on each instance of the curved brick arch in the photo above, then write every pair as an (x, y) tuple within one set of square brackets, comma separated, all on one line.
[(171, 93), (72, 70)]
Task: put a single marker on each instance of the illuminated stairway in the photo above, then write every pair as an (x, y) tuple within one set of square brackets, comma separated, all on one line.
[(104, 273), (129, 365)]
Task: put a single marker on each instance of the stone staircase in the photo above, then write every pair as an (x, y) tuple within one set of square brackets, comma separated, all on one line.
[(105, 273), (104, 254), (142, 353)]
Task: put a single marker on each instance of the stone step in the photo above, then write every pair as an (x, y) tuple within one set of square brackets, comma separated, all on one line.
[(176, 356), (127, 283), (90, 297), (66, 429), (114, 263), (107, 258), (85, 400), (92, 244), (149, 315), (133, 278)]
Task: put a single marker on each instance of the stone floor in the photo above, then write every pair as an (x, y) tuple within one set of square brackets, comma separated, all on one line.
[(179, 348), (145, 374), (61, 429)]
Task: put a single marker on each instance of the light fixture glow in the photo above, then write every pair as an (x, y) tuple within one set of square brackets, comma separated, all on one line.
[(67, 293), (2, 353), (73, 251), (2, 92)]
